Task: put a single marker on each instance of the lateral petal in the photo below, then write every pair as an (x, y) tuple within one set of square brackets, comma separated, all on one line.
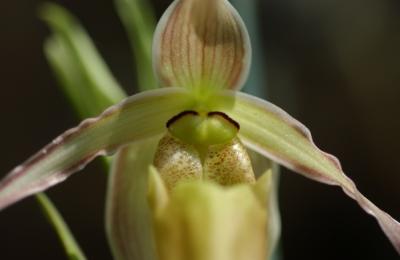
[(273, 133), (135, 118), (128, 220), (201, 44)]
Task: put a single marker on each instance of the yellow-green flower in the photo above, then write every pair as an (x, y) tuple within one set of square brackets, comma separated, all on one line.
[(201, 220), (201, 55)]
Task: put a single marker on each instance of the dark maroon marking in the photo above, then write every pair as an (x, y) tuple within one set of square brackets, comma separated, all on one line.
[(225, 116), (180, 115)]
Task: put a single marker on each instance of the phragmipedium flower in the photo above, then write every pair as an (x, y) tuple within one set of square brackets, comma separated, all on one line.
[(202, 57)]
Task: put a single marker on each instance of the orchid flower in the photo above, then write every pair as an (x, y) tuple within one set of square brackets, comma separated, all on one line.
[(201, 56)]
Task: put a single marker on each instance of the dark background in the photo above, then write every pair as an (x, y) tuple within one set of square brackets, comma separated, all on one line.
[(334, 65)]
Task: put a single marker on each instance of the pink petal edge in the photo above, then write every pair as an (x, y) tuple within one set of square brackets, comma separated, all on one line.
[(21, 182), (390, 226)]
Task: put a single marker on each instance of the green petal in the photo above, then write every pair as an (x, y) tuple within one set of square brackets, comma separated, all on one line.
[(128, 221), (78, 66), (139, 22), (140, 116), (201, 44), (270, 131)]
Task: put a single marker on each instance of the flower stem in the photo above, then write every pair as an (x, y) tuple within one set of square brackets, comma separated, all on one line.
[(70, 245)]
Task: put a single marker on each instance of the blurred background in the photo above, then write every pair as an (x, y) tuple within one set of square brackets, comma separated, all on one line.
[(334, 65)]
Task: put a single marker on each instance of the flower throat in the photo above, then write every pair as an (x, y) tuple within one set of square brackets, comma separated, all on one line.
[(203, 145)]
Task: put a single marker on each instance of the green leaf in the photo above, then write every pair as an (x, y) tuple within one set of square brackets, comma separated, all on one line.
[(138, 117), (78, 66), (139, 22), (71, 247), (128, 220), (83, 86)]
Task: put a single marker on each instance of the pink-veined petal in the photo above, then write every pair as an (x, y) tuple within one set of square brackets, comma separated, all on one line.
[(135, 118), (201, 44), (128, 220), (270, 131)]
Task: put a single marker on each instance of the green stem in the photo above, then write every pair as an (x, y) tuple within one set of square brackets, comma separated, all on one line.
[(70, 245)]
